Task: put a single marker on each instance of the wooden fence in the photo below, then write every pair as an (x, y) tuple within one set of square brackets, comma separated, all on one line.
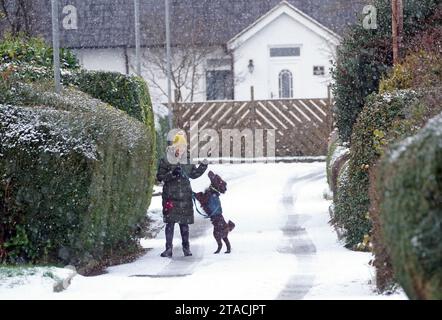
[(302, 126)]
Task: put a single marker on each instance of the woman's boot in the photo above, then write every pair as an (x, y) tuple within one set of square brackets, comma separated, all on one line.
[(169, 241), (167, 253), (184, 228)]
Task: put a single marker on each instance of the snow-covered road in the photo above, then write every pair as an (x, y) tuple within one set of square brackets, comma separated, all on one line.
[(283, 248)]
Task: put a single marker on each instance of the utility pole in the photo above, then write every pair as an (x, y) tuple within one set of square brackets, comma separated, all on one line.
[(397, 28), (56, 45), (137, 37), (169, 64)]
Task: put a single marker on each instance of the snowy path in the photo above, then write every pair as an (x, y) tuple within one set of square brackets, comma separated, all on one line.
[(298, 241), (283, 248)]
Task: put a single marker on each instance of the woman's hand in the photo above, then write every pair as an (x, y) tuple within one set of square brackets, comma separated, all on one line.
[(177, 172)]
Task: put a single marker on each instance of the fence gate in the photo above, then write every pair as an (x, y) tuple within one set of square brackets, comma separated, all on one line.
[(302, 126)]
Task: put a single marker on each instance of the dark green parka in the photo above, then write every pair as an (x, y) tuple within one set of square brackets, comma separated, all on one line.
[(177, 191)]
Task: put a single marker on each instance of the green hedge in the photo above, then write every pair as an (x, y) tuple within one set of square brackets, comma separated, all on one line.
[(365, 56), (161, 136), (410, 184), (35, 52), (342, 192), (127, 93), (76, 175), (337, 155), (351, 212), (385, 119), (333, 143)]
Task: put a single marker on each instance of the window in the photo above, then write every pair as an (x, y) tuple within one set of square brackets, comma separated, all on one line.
[(318, 70), (285, 52), (285, 84), (219, 85), (219, 63)]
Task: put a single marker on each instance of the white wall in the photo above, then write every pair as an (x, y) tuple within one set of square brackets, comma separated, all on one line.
[(102, 59), (114, 59), (282, 31)]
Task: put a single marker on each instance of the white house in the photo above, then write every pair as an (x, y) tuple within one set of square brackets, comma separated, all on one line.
[(284, 54), (260, 49)]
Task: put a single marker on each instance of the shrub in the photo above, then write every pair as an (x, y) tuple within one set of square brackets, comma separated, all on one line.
[(337, 155), (331, 147), (384, 120), (25, 59), (364, 56), (340, 205), (127, 93), (76, 175), (416, 117), (410, 185), (34, 52), (422, 69), (385, 281), (161, 136), (368, 141)]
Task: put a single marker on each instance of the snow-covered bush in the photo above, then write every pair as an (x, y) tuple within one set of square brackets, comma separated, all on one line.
[(337, 155), (342, 192), (410, 188), (75, 178), (34, 52), (161, 133), (127, 93), (331, 146), (365, 55), (351, 211), (422, 69), (385, 119)]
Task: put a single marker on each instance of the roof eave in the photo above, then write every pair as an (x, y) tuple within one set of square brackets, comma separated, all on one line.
[(235, 42)]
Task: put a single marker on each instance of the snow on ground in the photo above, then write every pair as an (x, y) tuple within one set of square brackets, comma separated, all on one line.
[(30, 282), (283, 248)]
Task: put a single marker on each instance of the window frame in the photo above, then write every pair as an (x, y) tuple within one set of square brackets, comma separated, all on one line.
[(299, 46), (320, 67), (280, 84), (228, 89)]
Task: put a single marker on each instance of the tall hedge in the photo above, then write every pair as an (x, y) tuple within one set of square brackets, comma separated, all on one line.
[(351, 212), (33, 51), (161, 136), (75, 180), (410, 184), (365, 56), (127, 93)]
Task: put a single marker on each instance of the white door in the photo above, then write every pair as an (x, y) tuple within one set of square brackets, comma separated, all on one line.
[(281, 79)]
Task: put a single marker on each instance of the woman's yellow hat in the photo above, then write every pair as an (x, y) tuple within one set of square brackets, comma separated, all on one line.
[(179, 139)]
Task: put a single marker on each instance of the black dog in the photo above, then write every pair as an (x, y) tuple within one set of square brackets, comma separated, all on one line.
[(211, 204)]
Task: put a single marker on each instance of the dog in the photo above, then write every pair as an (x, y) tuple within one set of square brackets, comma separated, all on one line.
[(210, 202)]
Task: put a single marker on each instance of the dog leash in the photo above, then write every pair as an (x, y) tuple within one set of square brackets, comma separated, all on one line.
[(205, 215)]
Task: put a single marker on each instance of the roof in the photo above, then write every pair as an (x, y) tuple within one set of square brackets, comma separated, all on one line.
[(283, 8), (110, 23)]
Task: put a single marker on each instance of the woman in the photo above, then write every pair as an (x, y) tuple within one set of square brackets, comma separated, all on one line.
[(177, 192)]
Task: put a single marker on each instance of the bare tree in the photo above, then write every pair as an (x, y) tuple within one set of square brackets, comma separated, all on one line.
[(18, 15), (188, 63), (189, 55), (195, 32)]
